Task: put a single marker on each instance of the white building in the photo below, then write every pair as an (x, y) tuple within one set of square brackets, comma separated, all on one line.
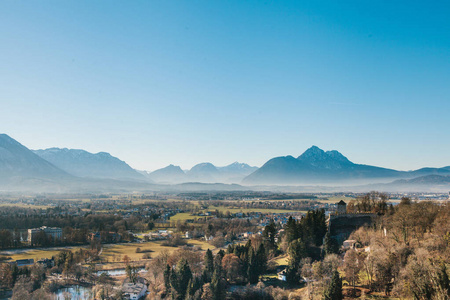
[(282, 275), (54, 232), (134, 291)]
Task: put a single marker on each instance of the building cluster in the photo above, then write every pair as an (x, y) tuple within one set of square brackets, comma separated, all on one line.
[(159, 235)]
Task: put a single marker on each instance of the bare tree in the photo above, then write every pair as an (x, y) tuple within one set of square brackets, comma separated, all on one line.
[(352, 267)]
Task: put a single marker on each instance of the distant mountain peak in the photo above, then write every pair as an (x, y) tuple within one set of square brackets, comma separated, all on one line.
[(237, 165), (4, 138), (318, 157), (313, 152), (82, 163), (336, 155), (104, 154), (169, 174), (314, 165), (170, 168), (16, 160), (173, 166), (314, 148), (202, 167)]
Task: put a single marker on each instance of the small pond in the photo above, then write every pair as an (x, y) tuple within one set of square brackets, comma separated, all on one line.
[(117, 272), (74, 292)]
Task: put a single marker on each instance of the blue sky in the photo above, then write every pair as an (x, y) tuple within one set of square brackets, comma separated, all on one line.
[(183, 82)]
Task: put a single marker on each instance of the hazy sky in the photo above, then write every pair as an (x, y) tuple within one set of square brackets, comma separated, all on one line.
[(183, 82)]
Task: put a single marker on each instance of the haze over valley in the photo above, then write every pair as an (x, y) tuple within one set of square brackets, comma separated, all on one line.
[(62, 169)]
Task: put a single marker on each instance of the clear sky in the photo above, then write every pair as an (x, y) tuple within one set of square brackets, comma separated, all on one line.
[(184, 82)]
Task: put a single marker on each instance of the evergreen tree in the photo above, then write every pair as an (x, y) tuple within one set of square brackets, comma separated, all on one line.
[(252, 270), (184, 276), (330, 245), (209, 265), (291, 230), (194, 285), (269, 234), (221, 253), (218, 263), (218, 288), (242, 253), (174, 288), (261, 260), (334, 290), (297, 251), (167, 274), (312, 227)]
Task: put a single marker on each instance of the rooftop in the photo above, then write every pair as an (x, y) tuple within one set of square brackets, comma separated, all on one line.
[(132, 288)]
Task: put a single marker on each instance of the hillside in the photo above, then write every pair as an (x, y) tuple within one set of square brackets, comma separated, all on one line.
[(85, 164), (169, 174), (316, 166), (17, 162), (203, 172)]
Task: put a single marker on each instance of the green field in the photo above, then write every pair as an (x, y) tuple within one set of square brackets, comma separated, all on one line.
[(38, 254), (223, 209), (234, 210), (23, 205), (183, 217), (279, 200), (110, 253), (281, 260), (154, 248)]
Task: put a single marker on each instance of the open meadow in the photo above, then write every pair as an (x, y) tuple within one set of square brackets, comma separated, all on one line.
[(113, 252), (37, 254), (110, 253)]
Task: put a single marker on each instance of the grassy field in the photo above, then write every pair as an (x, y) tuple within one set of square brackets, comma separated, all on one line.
[(110, 252), (183, 217), (38, 254), (278, 200), (224, 209), (23, 205), (282, 260), (113, 253)]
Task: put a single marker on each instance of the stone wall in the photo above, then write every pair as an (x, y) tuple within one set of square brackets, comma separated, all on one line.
[(341, 226)]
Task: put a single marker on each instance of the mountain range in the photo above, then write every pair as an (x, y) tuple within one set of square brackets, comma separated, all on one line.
[(71, 170), (62, 169), (316, 166), (17, 161), (81, 163), (203, 172)]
